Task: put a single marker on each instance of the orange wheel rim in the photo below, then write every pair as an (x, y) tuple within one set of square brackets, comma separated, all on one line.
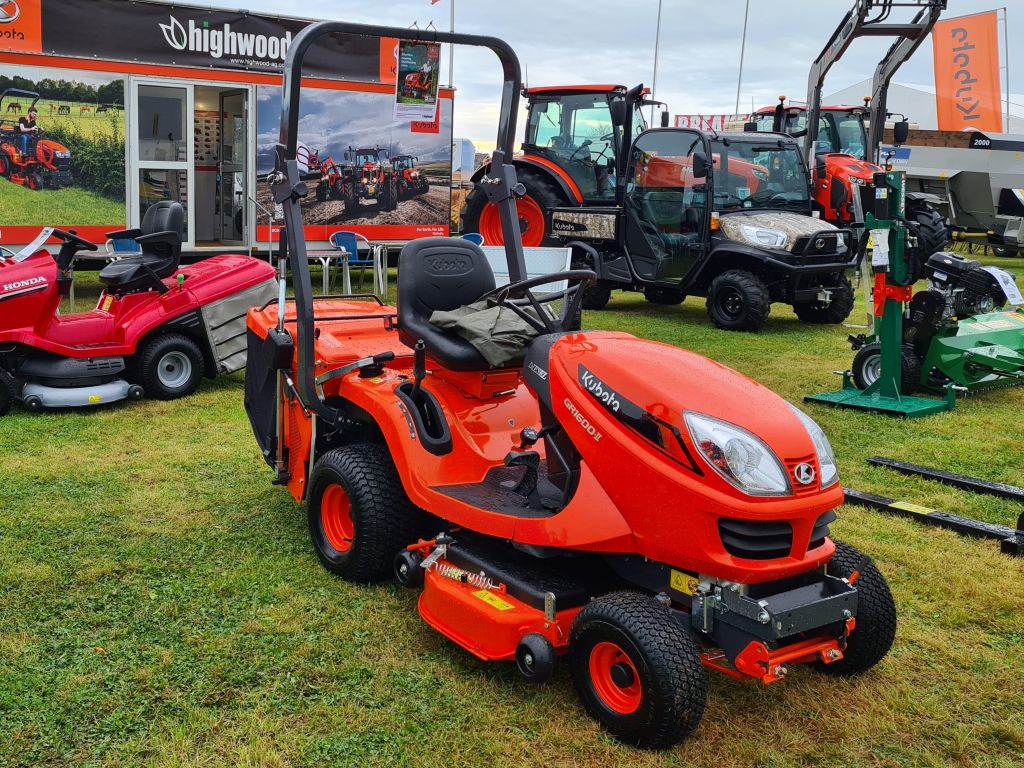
[(531, 222), (615, 678), (336, 518)]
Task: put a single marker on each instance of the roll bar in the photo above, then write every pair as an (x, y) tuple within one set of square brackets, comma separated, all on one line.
[(19, 92), (288, 187)]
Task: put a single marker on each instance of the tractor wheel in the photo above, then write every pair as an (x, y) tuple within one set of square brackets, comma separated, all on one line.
[(867, 367), (875, 631), (832, 313), (8, 392), (637, 670), (479, 215), (359, 515), (321, 192), (170, 366), (351, 197), (932, 234), (667, 297), (392, 193), (738, 301)]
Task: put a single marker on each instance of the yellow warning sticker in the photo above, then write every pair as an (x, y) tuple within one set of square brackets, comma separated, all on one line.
[(908, 507), (493, 600), (95, 399), (683, 582), (105, 306)]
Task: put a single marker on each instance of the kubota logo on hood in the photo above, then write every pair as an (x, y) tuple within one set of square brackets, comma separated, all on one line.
[(10, 11), (223, 41)]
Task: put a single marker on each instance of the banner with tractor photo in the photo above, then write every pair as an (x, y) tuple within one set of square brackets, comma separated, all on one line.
[(384, 178), (62, 151)]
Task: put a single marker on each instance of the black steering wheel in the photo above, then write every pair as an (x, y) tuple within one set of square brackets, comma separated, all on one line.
[(72, 238), (519, 298), (585, 145)]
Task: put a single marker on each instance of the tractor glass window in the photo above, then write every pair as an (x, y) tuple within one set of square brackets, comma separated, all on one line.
[(575, 132), (851, 136), (765, 174), (545, 123)]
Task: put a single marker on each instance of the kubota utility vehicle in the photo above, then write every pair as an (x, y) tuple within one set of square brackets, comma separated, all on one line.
[(674, 212), (367, 174), (538, 544), (411, 180), (31, 160), (156, 329), (843, 153)]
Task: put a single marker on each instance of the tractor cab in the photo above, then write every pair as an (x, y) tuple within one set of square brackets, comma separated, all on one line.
[(579, 130), (840, 129)]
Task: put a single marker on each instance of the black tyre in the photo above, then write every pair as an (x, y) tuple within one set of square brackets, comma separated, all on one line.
[(597, 295), (1003, 251), (832, 312), (408, 570), (536, 658), (392, 188), (873, 635), (637, 670), (738, 301), (542, 194), (867, 367), (351, 197), (5, 166), (321, 192), (668, 297), (8, 392), (932, 234), (359, 515), (170, 366)]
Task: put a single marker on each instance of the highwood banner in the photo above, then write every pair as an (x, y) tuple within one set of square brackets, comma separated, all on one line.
[(967, 94)]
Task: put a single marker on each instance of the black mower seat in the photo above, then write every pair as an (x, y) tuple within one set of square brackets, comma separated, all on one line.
[(441, 273), (160, 237)]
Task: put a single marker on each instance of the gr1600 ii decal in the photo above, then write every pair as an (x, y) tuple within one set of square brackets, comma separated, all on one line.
[(661, 433)]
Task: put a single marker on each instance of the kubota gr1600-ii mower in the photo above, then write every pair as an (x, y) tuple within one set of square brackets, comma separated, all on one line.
[(538, 544), (156, 329), (31, 160)]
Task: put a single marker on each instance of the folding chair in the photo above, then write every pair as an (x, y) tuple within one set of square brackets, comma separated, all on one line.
[(348, 244)]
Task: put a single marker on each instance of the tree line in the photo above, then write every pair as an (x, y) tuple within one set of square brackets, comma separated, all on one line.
[(68, 90)]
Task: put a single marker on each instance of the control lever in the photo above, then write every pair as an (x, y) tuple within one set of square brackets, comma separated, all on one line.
[(419, 369), (367, 367)]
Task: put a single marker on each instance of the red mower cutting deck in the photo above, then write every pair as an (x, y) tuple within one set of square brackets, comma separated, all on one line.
[(155, 331), (642, 511)]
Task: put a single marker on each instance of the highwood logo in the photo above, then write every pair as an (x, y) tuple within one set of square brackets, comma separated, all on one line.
[(224, 41)]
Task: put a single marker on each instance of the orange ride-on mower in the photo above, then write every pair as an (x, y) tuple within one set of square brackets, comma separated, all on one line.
[(31, 160), (643, 512)]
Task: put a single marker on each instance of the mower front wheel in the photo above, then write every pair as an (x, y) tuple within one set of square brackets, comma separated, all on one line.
[(873, 635), (5, 165), (637, 670), (359, 515)]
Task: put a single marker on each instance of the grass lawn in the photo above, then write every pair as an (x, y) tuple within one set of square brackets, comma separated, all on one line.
[(160, 602), (71, 205)]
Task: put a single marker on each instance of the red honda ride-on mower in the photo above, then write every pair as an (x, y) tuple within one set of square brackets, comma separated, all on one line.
[(36, 162), (156, 329), (509, 491)]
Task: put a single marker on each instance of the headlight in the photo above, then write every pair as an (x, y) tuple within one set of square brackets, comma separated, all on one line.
[(826, 457), (769, 238), (739, 456)]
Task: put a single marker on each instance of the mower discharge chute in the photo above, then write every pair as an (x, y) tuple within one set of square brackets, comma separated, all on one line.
[(36, 163), (538, 543)]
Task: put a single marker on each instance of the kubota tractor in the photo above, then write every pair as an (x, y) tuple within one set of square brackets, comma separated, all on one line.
[(367, 174), (411, 180), (31, 160)]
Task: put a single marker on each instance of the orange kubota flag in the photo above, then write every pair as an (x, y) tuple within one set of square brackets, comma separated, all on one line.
[(967, 73)]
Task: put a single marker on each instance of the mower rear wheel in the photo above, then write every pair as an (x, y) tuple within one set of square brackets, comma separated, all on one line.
[(35, 181), (8, 391), (359, 515), (873, 635), (170, 366), (867, 367), (637, 670), (835, 311), (738, 301)]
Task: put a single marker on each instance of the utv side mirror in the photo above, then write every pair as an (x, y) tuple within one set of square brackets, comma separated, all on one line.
[(900, 132), (700, 165), (664, 119)]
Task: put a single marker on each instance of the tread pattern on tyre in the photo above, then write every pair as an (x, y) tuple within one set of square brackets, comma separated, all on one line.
[(833, 313), (757, 301), (541, 189), (932, 235), (154, 350), (910, 366), (385, 520), (679, 692), (873, 636), (8, 392)]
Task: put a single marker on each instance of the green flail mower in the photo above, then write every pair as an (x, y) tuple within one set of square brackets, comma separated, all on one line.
[(961, 334)]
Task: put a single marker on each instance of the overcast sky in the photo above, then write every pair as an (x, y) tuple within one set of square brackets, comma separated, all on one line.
[(579, 41)]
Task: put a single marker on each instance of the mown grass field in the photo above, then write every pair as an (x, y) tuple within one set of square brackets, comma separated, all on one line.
[(71, 205), (160, 603)]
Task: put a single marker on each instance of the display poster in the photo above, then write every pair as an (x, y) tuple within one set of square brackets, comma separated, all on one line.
[(416, 83)]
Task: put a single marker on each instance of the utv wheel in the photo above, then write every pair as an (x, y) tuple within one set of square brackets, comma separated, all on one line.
[(534, 207), (596, 296), (665, 296), (8, 392), (359, 515), (867, 367), (738, 301), (170, 366), (833, 312), (637, 670), (873, 635)]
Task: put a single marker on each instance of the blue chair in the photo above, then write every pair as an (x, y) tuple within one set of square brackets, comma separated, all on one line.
[(119, 247), (474, 237), (349, 243)]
